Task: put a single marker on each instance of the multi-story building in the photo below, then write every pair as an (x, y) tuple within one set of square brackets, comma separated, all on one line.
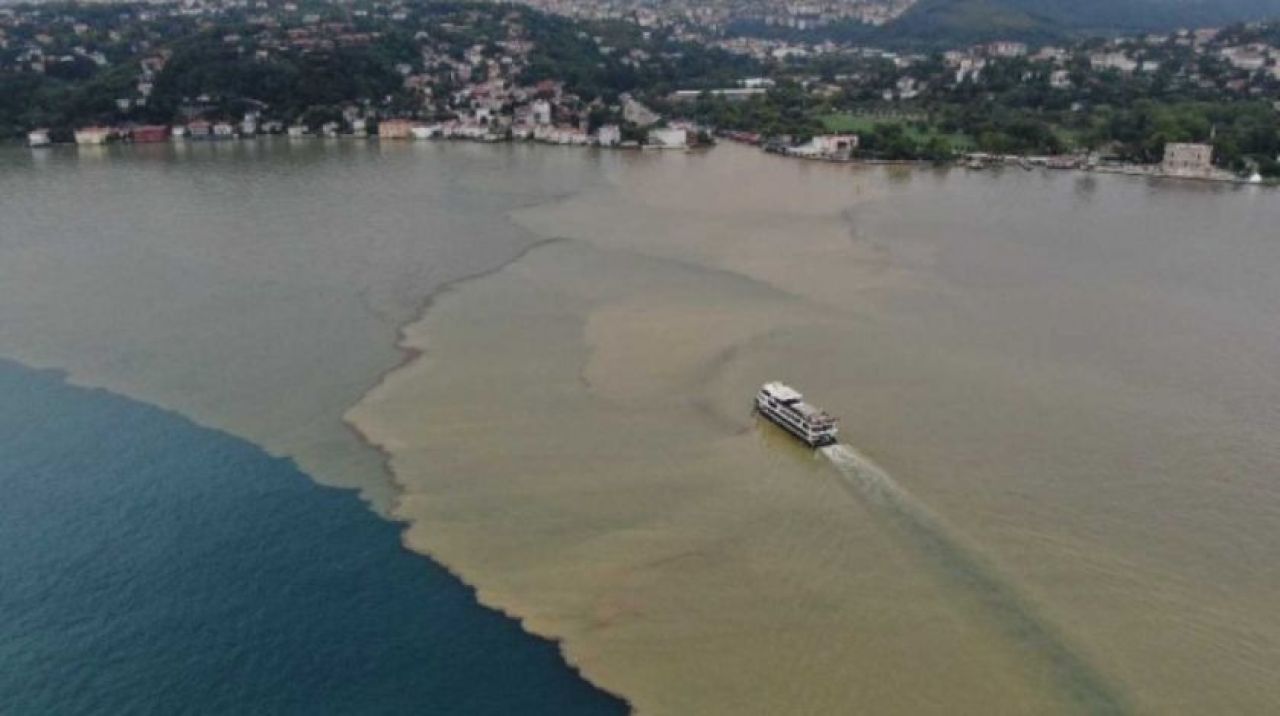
[(1187, 160)]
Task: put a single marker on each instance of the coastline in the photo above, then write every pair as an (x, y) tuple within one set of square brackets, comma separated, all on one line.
[(962, 161)]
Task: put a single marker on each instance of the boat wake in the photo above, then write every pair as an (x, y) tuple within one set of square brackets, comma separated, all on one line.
[(874, 482), (995, 597)]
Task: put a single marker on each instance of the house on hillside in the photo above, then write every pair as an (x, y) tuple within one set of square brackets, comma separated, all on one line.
[(1112, 61), (1005, 48)]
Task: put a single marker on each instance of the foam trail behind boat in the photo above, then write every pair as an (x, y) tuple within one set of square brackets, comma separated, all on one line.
[(996, 598)]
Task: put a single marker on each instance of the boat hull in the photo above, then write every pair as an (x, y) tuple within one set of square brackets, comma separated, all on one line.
[(815, 442)]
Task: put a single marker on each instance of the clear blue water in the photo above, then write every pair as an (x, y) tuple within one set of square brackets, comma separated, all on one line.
[(151, 566)]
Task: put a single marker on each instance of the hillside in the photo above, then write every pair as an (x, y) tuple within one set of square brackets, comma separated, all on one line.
[(967, 21)]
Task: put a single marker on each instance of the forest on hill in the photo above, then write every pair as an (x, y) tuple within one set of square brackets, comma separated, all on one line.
[(944, 24)]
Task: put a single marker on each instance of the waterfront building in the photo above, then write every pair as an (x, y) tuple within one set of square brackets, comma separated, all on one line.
[(668, 138), (609, 135), (395, 129), (427, 131), (835, 146), (1188, 160), (93, 135), (149, 133), (38, 138)]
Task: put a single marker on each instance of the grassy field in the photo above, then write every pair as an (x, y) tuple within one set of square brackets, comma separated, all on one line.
[(844, 122)]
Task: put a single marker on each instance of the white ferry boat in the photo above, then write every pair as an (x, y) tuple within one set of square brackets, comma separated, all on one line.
[(786, 407)]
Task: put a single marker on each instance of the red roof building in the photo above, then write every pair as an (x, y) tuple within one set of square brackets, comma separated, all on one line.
[(149, 134)]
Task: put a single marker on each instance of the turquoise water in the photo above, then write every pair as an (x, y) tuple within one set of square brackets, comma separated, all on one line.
[(148, 565)]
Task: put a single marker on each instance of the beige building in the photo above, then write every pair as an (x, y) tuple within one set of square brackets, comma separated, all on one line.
[(1188, 160), (93, 135), (395, 129)]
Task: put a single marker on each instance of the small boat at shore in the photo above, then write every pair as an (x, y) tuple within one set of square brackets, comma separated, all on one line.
[(785, 407)]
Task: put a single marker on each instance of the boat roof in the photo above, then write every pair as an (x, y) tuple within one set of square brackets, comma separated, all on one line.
[(810, 412), (782, 392)]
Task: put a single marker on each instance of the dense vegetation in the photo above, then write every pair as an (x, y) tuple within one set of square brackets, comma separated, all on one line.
[(217, 68), (1012, 109), (569, 52)]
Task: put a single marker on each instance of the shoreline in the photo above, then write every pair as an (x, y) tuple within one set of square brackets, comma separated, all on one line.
[(1026, 162), (1018, 161)]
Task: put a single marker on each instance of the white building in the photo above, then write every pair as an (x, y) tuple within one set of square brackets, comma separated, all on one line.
[(908, 88), (1050, 54), (429, 131), (93, 135), (733, 94), (1112, 61), (541, 111), (838, 147), (1004, 48), (969, 68), (1245, 58), (38, 138), (609, 135), (668, 138)]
